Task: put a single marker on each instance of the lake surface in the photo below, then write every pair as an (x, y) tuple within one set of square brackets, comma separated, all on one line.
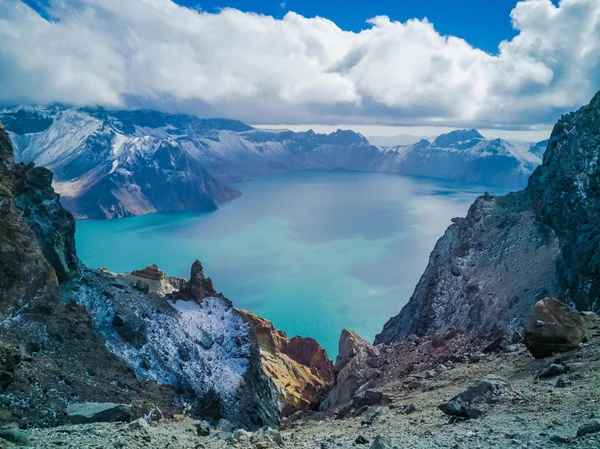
[(312, 251)]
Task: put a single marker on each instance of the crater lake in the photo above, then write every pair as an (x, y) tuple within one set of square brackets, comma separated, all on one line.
[(312, 251)]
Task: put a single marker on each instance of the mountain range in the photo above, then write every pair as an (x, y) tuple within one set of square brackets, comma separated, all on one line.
[(131, 162)]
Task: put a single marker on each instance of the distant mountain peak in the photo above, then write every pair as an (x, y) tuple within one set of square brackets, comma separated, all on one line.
[(461, 138)]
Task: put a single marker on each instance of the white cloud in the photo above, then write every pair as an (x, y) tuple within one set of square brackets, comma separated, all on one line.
[(154, 53)]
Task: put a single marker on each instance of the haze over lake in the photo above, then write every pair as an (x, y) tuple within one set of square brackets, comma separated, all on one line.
[(313, 251)]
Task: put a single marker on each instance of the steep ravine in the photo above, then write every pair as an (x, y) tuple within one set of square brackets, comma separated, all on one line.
[(510, 251)]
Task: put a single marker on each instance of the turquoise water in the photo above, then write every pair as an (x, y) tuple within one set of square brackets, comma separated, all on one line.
[(312, 251)]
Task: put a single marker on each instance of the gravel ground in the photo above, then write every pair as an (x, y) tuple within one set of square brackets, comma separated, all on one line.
[(535, 415)]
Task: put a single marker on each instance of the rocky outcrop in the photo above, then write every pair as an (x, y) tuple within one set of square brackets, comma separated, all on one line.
[(552, 328), (565, 193), (151, 272), (49, 355), (354, 368), (152, 280), (490, 268), (298, 366), (73, 335)]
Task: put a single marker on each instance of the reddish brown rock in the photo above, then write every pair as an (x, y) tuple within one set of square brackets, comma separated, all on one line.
[(552, 327), (299, 367), (199, 287), (151, 272)]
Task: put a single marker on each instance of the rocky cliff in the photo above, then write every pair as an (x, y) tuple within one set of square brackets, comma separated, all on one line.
[(298, 366), (490, 267), (49, 355), (69, 334)]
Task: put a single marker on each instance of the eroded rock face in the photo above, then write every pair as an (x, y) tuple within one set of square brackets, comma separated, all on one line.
[(298, 366), (551, 328), (151, 272), (490, 268), (86, 336), (205, 349), (353, 369), (24, 271), (44, 335)]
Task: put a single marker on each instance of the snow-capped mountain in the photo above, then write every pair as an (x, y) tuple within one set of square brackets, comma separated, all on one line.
[(121, 163), (465, 155)]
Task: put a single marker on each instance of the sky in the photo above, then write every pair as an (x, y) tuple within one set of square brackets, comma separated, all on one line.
[(484, 24), (383, 67)]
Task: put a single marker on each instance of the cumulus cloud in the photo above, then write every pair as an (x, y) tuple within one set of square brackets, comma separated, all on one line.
[(154, 53)]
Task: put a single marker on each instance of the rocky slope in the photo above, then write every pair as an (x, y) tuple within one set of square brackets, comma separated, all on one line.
[(119, 163), (70, 334), (520, 403), (298, 366), (49, 355), (510, 251)]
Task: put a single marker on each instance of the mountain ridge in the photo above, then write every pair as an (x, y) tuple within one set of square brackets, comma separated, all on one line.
[(97, 153)]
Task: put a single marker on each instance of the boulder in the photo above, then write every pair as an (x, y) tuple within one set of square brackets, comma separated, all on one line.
[(371, 415), (382, 442), (39, 177), (142, 286), (225, 425), (552, 370), (139, 424), (368, 398), (15, 436), (587, 428), (361, 440), (90, 412), (464, 404), (130, 329), (202, 428), (551, 328)]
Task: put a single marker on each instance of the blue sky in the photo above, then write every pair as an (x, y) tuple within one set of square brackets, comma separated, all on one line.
[(310, 63), (482, 23)]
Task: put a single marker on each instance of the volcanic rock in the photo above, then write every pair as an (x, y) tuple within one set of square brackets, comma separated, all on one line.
[(515, 249), (353, 369), (39, 177), (150, 272), (299, 367), (587, 428), (381, 442), (464, 404), (90, 412), (14, 436), (552, 328)]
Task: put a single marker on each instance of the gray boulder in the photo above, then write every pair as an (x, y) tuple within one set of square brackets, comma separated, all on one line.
[(90, 412), (466, 404), (382, 442)]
